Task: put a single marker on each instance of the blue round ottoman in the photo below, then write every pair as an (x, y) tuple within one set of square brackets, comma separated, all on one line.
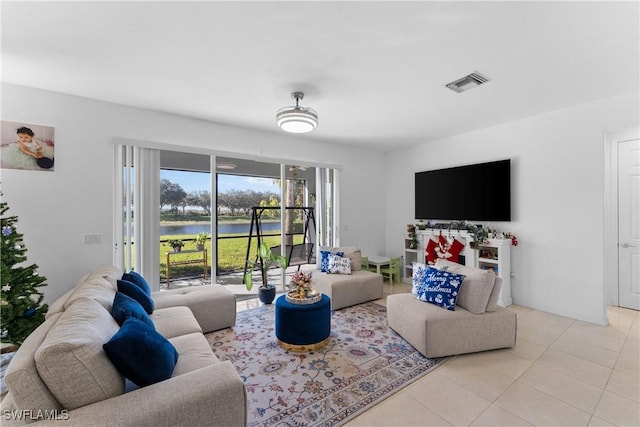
[(303, 327)]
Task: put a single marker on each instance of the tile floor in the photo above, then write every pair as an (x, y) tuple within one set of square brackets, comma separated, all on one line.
[(561, 372)]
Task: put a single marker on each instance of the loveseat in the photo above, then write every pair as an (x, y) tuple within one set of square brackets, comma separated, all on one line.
[(477, 322), (61, 375), (346, 289)]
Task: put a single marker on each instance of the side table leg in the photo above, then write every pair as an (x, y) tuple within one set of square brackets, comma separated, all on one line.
[(205, 264), (168, 270)]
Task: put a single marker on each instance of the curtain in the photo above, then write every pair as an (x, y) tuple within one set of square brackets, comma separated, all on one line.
[(328, 207), (137, 211)]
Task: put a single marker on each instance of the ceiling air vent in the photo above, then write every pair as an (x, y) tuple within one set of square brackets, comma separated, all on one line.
[(467, 82)]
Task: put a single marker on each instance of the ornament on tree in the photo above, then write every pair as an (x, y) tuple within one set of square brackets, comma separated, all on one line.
[(22, 310)]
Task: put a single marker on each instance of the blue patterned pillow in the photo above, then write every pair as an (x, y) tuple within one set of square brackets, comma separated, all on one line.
[(324, 260), (440, 288), (419, 272)]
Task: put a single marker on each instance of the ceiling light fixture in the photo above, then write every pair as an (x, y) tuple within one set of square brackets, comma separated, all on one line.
[(297, 119)]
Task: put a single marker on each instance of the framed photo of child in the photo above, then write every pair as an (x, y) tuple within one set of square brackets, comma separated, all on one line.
[(26, 146)]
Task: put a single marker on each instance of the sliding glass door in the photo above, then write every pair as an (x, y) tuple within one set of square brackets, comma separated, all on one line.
[(166, 197)]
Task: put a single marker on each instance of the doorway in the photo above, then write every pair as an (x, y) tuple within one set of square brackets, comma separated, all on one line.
[(622, 218)]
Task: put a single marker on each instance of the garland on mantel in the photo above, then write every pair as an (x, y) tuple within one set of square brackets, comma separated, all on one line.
[(479, 233)]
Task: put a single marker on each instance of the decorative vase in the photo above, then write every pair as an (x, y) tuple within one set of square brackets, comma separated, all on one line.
[(267, 295), (200, 246), (177, 249)]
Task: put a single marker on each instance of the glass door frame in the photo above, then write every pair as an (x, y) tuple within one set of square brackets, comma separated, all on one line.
[(121, 199)]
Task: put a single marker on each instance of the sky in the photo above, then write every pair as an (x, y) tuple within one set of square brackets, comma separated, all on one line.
[(197, 181)]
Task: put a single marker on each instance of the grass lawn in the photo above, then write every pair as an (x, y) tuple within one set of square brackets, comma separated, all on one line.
[(232, 254)]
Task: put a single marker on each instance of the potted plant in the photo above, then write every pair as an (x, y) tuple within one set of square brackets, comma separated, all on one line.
[(201, 240), (413, 241), (176, 244), (480, 235), (266, 258)]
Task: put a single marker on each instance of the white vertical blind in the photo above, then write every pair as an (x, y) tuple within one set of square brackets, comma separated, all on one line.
[(119, 169), (335, 188), (137, 203), (320, 225), (328, 206), (147, 214)]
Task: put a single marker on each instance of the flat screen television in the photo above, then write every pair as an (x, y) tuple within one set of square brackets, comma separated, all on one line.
[(479, 192)]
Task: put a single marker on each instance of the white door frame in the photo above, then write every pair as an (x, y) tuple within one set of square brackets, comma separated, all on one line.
[(610, 238)]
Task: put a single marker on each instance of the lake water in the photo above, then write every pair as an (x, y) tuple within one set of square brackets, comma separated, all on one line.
[(235, 228)]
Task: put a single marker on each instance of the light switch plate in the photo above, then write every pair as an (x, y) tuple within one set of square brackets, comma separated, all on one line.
[(92, 239)]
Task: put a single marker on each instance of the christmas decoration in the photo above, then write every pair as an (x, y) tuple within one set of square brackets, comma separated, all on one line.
[(449, 251), (430, 251), (22, 309), (454, 250), (411, 232)]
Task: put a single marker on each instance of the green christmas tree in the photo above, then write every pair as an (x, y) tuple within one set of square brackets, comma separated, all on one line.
[(21, 307)]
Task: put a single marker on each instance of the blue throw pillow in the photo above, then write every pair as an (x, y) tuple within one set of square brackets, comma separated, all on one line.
[(137, 279), (137, 294), (324, 260), (124, 307), (141, 354), (440, 288)]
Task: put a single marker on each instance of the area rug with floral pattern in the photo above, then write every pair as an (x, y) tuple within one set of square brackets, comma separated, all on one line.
[(364, 362)]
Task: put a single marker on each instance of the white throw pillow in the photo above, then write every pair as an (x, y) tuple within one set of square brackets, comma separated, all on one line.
[(339, 265)]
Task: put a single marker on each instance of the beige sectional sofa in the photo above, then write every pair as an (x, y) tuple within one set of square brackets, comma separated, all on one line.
[(61, 370), (347, 289), (478, 323)]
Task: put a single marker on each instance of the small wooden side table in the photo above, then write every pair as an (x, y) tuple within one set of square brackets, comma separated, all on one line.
[(186, 261)]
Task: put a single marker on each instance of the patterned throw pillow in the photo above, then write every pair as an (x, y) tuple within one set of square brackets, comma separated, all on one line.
[(419, 272), (440, 288), (339, 265), (324, 260)]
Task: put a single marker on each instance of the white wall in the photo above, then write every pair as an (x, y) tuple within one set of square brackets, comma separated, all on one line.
[(557, 199), (56, 209)]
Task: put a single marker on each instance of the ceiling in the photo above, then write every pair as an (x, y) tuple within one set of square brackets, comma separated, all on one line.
[(374, 71)]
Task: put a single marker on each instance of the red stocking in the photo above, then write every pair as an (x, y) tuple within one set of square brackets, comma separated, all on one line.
[(456, 247), (430, 252), (442, 250)]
